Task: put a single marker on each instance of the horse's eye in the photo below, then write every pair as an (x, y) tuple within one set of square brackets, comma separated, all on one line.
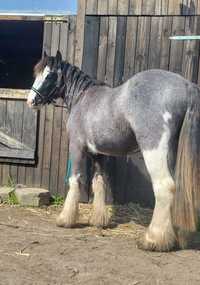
[(52, 76)]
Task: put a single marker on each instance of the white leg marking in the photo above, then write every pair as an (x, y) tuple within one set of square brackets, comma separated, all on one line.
[(92, 147), (160, 233), (99, 215), (167, 116), (69, 214)]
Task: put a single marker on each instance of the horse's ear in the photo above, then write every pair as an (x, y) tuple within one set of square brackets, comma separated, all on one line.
[(58, 58), (45, 54)]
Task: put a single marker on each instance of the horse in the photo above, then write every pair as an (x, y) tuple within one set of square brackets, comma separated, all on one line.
[(157, 110)]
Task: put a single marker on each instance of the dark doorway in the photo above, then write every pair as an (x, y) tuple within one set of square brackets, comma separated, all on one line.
[(20, 48)]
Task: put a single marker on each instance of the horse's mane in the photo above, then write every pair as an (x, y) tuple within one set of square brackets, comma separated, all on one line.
[(76, 83)]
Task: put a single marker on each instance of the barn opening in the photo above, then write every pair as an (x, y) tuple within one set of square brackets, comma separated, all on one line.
[(20, 49)]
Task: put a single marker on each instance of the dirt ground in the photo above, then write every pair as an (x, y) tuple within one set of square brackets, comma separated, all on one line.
[(34, 251)]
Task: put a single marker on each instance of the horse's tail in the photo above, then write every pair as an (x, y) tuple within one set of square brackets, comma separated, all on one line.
[(187, 174)]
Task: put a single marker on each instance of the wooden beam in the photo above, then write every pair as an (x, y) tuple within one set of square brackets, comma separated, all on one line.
[(17, 94), (11, 142), (80, 25)]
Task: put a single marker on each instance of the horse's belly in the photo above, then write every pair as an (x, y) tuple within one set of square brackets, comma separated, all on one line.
[(115, 145)]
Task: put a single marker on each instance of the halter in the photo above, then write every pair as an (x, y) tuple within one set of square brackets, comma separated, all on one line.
[(46, 99)]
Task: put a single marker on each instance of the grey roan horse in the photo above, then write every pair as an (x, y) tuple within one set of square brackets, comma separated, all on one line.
[(158, 109)]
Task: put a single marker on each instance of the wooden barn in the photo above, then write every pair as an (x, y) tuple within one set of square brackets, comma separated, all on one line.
[(110, 40)]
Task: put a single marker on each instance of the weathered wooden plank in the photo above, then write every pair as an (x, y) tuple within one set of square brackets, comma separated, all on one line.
[(64, 30), (5, 174), (29, 137), (55, 38), (47, 146), (164, 9), (155, 42), (111, 50), (13, 94), (120, 50), (17, 153), (3, 105), (13, 124), (40, 148), (165, 42), (103, 7), (176, 50), (80, 32), (71, 41), (29, 175), (103, 43), (135, 7), (148, 7), (47, 37), (131, 36), (142, 48), (12, 143), (123, 7), (191, 51), (29, 127), (7, 17), (158, 7), (55, 156), (92, 6), (22, 174), (112, 7), (174, 7), (90, 53), (15, 121)]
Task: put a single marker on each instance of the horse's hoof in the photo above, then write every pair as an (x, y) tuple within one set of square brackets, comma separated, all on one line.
[(63, 222), (100, 220), (150, 243)]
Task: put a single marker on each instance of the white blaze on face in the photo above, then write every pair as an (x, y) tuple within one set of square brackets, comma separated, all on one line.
[(37, 84)]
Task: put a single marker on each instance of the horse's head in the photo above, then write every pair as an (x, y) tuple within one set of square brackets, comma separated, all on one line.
[(48, 81)]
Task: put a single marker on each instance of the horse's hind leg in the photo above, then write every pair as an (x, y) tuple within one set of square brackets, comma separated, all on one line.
[(69, 214), (160, 234), (99, 214)]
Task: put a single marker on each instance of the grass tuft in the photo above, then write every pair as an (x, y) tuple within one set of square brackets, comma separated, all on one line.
[(57, 200)]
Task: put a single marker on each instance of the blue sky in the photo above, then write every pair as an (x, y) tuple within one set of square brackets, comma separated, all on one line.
[(43, 6)]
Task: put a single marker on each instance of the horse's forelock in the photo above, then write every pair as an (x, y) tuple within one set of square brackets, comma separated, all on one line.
[(39, 67)]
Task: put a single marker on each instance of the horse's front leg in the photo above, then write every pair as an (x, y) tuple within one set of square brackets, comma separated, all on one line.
[(68, 216), (100, 216)]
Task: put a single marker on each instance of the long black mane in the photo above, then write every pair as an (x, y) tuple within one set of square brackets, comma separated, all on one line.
[(76, 82)]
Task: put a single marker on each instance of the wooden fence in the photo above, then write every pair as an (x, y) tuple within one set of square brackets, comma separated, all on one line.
[(111, 40)]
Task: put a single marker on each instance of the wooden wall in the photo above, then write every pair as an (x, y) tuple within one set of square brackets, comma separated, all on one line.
[(142, 7)]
